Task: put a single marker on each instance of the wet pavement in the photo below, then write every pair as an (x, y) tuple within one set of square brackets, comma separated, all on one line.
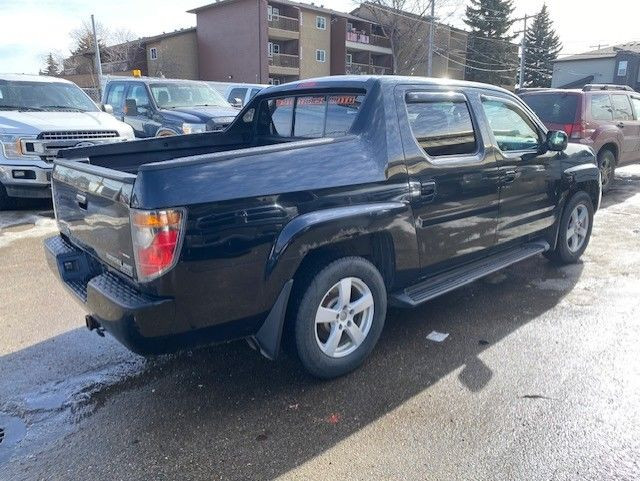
[(538, 379)]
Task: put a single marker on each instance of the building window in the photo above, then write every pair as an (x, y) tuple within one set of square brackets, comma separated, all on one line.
[(153, 53), (321, 23), (349, 59), (622, 68), (273, 48), (274, 81), (349, 27), (321, 55), (272, 13)]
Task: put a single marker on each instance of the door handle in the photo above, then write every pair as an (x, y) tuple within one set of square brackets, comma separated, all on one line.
[(428, 191), (81, 199), (509, 176)]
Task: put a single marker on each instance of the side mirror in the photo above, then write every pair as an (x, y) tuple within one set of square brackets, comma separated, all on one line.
[(106, 108), (237, 103), (130, 107), (557, 140)]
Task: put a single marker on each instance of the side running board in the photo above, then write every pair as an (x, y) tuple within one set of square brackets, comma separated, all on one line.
[(459, 276)]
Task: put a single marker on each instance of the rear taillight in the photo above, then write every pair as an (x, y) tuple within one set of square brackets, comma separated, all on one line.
[(577, 130), (156, 240)]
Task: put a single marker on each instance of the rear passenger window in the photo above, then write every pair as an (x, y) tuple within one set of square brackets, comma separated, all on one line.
[(442, 127), (621, 107), (601, 107), (308, 116)]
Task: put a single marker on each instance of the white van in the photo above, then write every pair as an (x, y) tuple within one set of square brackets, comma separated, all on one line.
[(40, 115)]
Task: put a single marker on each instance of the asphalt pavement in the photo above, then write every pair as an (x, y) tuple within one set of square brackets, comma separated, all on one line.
[(538, 379)]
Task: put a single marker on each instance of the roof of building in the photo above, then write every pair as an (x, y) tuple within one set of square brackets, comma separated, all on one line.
[(606, 52), (306, 6), (164, 35)]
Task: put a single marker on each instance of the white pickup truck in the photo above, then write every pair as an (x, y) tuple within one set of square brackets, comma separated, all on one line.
[(39, 116)]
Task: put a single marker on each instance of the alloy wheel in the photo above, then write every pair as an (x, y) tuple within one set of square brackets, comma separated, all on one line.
[(344, 317), (578, 228)]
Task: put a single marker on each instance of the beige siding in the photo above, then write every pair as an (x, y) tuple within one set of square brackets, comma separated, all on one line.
[(177, 57), (312, 39)]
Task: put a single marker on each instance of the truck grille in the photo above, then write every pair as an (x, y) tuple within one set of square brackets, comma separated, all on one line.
[(78, 135)]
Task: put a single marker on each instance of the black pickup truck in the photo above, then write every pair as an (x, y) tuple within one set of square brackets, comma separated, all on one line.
[(322, 202)]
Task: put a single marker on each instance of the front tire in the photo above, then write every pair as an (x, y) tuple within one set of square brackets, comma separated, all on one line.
[(607, 166), (574, 231), (339, 317)]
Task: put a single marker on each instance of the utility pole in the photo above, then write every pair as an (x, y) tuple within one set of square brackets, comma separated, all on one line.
[(523, 44), (432, 28), (98, 63)]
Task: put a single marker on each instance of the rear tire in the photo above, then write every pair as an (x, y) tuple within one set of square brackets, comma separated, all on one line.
[(339, 316), (607, 166), (574, 231)]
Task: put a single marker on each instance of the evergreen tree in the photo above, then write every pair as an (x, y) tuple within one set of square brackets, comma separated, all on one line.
[(542, 46), (51, 66), (491, 57)]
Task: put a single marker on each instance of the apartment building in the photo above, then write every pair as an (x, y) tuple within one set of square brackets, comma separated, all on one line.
[(278, 41)]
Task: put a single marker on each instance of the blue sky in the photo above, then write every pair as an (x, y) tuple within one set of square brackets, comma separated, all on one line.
[(31, 28)]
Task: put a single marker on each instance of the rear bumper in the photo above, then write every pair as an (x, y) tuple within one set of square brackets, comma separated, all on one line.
[(123, 311), (147, 324)]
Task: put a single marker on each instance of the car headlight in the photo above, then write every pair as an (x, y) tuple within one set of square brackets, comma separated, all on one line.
[(12, 146), (193, 128)]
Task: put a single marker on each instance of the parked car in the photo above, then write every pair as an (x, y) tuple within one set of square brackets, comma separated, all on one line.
[(40, 115), (322, 202), (604, 117), (236, 94), (157, 107)]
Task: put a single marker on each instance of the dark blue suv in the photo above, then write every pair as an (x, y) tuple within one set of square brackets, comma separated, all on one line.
[(157, 107)]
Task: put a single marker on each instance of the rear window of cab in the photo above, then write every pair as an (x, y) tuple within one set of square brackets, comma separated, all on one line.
[(309, 116)]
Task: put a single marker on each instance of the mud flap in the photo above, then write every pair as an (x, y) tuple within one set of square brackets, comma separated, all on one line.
[(270, 334)]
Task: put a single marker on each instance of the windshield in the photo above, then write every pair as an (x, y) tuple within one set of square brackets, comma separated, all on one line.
[(553, 108), (44, 96), (172, 95)]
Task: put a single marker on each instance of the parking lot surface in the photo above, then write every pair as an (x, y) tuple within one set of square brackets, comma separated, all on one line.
[(538, 379)]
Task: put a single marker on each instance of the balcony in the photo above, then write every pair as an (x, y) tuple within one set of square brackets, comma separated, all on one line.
[(380, 41), (358, 40), (284, 23), (364, 69), (284, 64), (284, 28)]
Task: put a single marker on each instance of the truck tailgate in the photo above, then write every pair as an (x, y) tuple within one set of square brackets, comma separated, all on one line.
[(92, 209)]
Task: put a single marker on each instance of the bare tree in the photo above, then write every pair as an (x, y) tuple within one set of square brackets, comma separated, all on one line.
[(124, 50), (82, 37), (407, 23)]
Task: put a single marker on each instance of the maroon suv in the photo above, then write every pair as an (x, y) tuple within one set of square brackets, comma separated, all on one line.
[(604, 117)]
